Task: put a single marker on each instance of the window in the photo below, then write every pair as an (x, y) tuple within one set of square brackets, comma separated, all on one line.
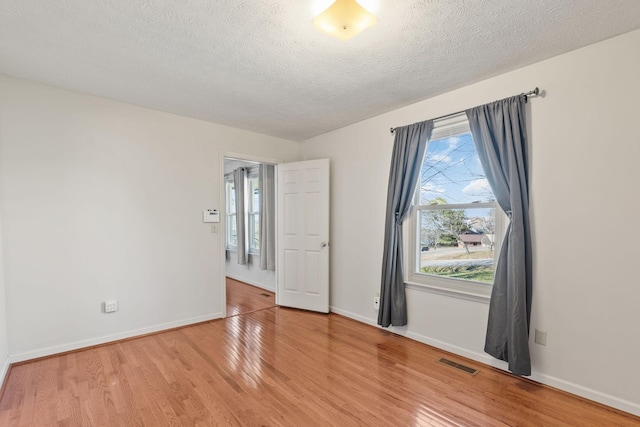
[(252, 208), (457, 223)]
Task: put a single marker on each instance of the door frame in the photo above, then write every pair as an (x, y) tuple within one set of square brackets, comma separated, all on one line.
[(222, 228)]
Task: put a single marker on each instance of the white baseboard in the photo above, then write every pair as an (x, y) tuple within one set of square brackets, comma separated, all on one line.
[(354, 316), (569, 387), (34, 354), (587, 393), (478, 357), (252, 283)]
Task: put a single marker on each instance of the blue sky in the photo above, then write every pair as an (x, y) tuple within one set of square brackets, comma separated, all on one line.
[(452, 170)]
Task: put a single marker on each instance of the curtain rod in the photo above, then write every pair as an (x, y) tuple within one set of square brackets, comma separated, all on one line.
[(534, 92)]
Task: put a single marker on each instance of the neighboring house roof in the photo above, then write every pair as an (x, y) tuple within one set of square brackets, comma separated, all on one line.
[(472, 238)]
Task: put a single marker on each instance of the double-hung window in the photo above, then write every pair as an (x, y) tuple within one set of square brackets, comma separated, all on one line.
[(252, 212), (457, 225)]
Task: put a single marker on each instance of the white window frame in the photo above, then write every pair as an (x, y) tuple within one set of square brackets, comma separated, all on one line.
[(252, 211), (230, 216), (466, 289)]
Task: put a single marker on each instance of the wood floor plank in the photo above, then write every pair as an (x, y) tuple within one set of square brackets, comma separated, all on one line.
[(280, 367), (244, 298)]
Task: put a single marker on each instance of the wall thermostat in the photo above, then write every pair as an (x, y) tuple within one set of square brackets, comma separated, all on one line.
[(211, 215)]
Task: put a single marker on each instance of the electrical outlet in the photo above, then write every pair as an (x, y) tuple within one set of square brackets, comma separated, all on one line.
[(541, 337), (376, 303), (110, 306)]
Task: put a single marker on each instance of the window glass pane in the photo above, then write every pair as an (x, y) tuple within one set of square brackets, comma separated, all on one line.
[(457, 243), (254, 231), (233, 233), (255, 195), (452, 173), (231, 205)]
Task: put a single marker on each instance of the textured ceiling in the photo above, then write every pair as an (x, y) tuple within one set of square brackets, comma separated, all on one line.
[(260, 65)]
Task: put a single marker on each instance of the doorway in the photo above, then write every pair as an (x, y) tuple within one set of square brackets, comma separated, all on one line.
[(248, 233), (300, 277)]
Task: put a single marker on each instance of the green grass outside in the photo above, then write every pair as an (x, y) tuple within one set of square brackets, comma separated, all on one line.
[(464, 255), (479, 273)]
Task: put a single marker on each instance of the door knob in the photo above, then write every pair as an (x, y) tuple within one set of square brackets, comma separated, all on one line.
[(324, 244)]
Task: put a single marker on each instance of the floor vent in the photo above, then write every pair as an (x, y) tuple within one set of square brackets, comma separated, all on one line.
[(265, 295), (458, 366)]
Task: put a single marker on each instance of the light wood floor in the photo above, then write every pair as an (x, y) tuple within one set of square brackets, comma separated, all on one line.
[(277, 366), (243, 298)]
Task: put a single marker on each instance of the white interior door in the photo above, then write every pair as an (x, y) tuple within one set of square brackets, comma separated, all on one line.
[(303, 235)]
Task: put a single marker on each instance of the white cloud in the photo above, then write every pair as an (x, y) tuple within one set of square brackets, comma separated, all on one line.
[(453, 142), (431, 188), (441, 157), (444, 155), (477, 187)]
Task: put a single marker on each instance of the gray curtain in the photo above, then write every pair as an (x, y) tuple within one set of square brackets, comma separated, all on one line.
[(499, 132), (239, 178), (409, 147), (266, 187)]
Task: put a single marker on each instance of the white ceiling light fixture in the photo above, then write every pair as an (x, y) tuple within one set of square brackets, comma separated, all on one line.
[(344, 19)]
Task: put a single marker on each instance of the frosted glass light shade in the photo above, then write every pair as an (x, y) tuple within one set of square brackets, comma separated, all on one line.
[(344, 19)]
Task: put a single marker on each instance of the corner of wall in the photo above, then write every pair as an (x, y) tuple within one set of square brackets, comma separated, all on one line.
[(4, 370)]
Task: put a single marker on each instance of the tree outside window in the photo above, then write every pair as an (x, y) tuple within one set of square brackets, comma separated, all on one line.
[(455, 211)]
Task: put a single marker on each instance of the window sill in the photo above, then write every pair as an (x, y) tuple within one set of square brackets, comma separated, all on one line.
[(481, 297), (235, 250)]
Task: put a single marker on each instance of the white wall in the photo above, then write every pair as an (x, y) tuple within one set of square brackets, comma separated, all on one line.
[(4, 349), (584, 155), (250, 273), (104, 200)]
